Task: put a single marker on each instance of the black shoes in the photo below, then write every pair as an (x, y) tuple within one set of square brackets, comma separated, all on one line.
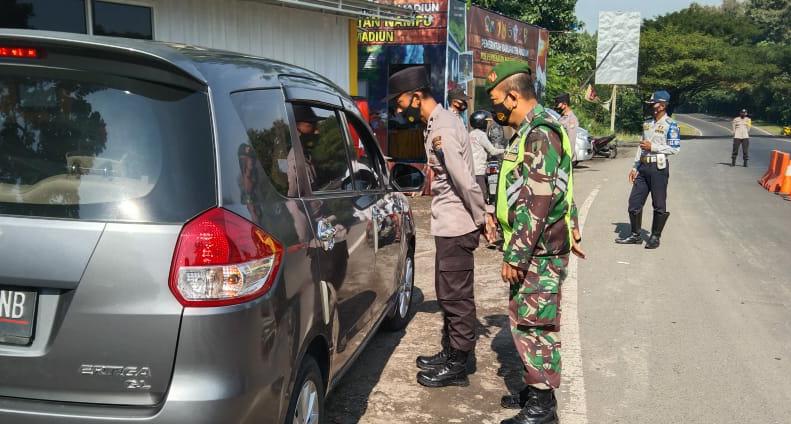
[(733, 162), (636, 223), (745, 163), (539, 408), (452, 373), (434, 361), (656, 229)]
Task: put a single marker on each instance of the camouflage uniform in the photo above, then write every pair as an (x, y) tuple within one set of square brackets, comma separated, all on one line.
[(540, 245)]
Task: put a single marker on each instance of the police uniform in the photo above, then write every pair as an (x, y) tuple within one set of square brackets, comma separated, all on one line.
[(653, 174), (536, 212), (457, 214)]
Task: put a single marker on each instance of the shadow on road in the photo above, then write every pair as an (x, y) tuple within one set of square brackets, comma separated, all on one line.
[(624, 229), (349, 401), (508, 357)]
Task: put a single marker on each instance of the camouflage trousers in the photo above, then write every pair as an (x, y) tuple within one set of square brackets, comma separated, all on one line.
[(534, 313)]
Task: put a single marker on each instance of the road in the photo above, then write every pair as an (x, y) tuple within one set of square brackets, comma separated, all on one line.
[(694, 332)]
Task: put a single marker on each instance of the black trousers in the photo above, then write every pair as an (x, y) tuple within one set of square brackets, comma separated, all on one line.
[(745, 144), (454, 280), (651, 180)]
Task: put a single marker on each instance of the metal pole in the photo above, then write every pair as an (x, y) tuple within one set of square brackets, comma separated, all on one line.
[(613, 104)]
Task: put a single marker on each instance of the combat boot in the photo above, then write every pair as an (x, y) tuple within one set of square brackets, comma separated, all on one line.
[(656, 229), (540, 408), (452, 373), (733, 162), (636, 223), (437, 360), (516, 400), (745, 163)]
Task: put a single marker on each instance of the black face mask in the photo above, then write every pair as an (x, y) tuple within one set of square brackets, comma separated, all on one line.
[(500, 113), (309, 141), (462, 107), (412, 115)]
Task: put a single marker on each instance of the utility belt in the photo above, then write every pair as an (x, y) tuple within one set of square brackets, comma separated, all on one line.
[(660, 160)]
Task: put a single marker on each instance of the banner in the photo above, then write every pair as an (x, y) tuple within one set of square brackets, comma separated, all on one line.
[(618, 48), (495, 38), (429, 26)]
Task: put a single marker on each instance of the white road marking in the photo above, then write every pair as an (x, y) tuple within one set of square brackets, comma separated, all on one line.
[(575, 411), (730, 131)]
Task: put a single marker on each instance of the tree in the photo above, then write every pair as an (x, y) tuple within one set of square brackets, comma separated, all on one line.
[(774, 16)]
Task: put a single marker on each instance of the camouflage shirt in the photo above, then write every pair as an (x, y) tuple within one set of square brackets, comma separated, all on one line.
[(538, 216)]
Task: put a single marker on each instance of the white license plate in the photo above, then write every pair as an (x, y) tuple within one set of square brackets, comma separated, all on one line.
[(492, 179), (17, 313)]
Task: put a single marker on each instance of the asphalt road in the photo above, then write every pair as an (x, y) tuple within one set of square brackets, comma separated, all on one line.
[(694, 332), (697, 331)]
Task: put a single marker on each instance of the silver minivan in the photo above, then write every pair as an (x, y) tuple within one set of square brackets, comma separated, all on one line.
[(187, 235)]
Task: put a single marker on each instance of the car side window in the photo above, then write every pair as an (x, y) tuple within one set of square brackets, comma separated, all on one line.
[(324, 148), (366, 162), (268, 143)]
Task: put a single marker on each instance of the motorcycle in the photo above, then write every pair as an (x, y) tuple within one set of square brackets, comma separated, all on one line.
[(587, 147), (787, 131)]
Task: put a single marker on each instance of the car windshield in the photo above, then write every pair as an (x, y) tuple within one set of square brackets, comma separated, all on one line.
[(102, 148)]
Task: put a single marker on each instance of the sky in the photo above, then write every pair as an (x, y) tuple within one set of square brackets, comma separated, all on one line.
[(588, 10)]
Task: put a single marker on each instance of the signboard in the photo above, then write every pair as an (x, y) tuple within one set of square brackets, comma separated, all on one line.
[(429, 26), (618, 48), (457, 45), (495, 38)]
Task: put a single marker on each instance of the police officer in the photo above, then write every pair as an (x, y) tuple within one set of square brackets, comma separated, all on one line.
[(536, 212), (458, 101), (567, 117), (651, 171), (741, 137), (457, 214)]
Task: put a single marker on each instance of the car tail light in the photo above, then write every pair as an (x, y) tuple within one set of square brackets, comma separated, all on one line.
[(223, 259), (19, 52)]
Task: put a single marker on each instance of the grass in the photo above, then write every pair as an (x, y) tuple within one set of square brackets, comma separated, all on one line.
[(772, 128), (687, 130)]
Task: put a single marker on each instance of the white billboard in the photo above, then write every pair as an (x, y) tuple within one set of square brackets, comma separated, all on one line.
[(618, 48)]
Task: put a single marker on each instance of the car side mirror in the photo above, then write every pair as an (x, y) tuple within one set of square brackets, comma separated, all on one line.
[(406, 179)]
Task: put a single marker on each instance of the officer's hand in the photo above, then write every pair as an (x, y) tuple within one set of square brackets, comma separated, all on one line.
[(645, 145), (632, 176), (490, 230), (512, 274)]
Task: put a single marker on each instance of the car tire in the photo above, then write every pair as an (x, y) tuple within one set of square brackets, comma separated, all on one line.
[(307, 398), (402, 310)]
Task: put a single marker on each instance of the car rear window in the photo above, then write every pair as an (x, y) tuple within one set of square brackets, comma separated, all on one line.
[(89, 146)]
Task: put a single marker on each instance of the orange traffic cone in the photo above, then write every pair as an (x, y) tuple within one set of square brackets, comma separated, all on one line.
[(776, 181), (785, 185), (772, 163)]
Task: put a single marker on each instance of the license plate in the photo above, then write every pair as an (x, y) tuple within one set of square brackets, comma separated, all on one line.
[(17, 313), (492, 179)]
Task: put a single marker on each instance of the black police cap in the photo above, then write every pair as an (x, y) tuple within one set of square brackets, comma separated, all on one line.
[(410, 79)]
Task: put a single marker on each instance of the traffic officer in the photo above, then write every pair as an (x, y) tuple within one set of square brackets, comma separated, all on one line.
[(457, 214), (651, 172), (741, 137), (536, 212)]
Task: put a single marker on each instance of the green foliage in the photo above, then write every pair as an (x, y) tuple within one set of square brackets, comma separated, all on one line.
[(722, 59)]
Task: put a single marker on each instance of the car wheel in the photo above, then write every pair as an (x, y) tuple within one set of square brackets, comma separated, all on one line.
[(402, 311), (307, 399)]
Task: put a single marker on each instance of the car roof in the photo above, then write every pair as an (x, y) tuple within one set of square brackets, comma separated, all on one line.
[(187, 58)]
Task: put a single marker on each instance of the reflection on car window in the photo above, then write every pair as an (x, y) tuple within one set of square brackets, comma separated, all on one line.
[(264, 117), (324, 148), (364, 157), (101, 148)]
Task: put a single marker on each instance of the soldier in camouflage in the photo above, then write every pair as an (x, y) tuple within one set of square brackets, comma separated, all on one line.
[(536, 212)]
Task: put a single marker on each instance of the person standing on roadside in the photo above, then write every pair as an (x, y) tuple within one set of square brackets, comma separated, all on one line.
[(536, 212), (741, 137), (457, 215), (651, 171), (567, 117), (482, 149)]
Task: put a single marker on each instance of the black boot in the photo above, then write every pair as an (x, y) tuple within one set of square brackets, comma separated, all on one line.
[(452, 373), (733, 162), (745, 163), (636, 223), (540, 408), (515, 400), (656, 229), (437, 360)]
